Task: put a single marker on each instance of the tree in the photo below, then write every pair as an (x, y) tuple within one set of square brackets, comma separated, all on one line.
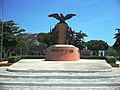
[(80, 36), (79, 40), (117, 42), (36, 43), (10, 32), (112, 52), (22, 46), (96, 45), (44, 38), (116, 45)]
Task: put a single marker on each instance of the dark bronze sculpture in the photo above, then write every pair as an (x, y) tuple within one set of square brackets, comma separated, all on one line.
[(61, 17), (61, 33)]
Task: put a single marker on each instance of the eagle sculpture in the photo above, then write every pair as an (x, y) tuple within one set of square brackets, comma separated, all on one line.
[(61, 17)]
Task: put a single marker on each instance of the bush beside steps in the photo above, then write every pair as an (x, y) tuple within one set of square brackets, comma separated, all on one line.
[(13, 59)]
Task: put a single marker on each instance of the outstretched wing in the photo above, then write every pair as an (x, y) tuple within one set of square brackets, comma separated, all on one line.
[(68, 16), (55, 15)]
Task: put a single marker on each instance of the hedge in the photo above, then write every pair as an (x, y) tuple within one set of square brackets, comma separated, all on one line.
[(13, 59), (109, 59), (92, 57)]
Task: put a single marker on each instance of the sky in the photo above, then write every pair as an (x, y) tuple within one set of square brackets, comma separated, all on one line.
[(97, 18)]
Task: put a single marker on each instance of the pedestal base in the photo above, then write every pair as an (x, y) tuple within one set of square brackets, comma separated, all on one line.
[(62, 53)]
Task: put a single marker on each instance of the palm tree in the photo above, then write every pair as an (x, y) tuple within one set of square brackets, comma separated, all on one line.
[(79, 39), (79, 36), (117, 35), (117, 42)]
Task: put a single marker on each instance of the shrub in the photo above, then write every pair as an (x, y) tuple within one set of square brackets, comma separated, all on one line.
[(13, 59), (110, 59), (92, 57), (112, 52)]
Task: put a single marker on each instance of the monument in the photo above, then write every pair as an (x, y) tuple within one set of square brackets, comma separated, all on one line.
[(38, 74), (61, 40)]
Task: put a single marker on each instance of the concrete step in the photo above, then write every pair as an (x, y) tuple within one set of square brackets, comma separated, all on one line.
[(114, 72), (38, 74), (58, 75), (82, 66), (62, 79), (62, 84), (59, 88)]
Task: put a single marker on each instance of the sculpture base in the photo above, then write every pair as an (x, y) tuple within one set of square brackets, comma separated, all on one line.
[(62, 53)]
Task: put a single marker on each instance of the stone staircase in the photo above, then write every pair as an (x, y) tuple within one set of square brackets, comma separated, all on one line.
[(35, 74)]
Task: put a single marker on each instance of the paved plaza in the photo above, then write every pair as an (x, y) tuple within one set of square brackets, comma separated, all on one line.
[(37, 74)]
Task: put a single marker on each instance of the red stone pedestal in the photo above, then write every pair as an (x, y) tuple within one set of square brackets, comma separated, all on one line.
[(62, 53)]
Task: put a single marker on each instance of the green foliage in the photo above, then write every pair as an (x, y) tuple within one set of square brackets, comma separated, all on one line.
[(44, 38), (97, 45), (117, 42), (80, 45), (79, 40), (117, 35), (22, 46), (112, 52), (80, 36), (10, 32), (13, 59), (92, 57), (110, 59), (32, 44)]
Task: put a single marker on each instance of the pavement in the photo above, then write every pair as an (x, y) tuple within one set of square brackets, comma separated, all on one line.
[(83, 65), (37, 74)]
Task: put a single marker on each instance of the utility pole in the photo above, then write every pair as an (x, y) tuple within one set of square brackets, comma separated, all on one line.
[(1, 33)]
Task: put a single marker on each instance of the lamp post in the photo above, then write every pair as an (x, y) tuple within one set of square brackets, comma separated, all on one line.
[(2, 4)]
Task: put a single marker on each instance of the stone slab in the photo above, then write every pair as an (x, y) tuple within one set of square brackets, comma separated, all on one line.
[(59, 88), (39, 65)]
